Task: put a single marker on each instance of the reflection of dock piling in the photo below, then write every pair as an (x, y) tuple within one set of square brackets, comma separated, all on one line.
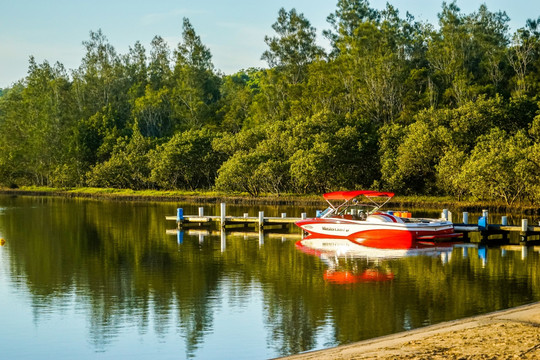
[(260, 235), (225, 220)]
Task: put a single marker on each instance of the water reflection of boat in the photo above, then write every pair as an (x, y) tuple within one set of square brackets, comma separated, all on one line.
[(350, 262), (343, 247), (367, 225), (350, 277)]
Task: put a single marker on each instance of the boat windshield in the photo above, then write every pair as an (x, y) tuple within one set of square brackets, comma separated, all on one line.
[(359, 211), (326, 212), (353, 211), (351, 208)]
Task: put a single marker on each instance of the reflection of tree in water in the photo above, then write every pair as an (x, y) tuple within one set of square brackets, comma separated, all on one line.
[(293, 309), (114, 260), (118, 263)]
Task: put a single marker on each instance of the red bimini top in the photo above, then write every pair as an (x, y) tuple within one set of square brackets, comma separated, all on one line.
[(348, 195)]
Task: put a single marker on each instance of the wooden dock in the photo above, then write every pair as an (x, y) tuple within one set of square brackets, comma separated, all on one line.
[(487, 231), (225, 220), (501, 231)]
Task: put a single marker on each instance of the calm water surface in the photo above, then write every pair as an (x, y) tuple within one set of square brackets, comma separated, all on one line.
[(92, 279)]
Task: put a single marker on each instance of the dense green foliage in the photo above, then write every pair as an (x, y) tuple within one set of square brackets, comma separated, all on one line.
[(395, 104)]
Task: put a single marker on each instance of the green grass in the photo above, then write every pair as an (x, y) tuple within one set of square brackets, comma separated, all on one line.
[(435, 202)]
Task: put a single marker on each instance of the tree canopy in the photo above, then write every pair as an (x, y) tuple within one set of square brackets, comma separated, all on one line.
[(396, 104)]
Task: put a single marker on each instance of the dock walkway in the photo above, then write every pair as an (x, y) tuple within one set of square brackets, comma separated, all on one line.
[(225, 220), (487, 231)]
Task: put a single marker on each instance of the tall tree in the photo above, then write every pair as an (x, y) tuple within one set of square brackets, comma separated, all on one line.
[(159, 68), (524, 52), (349, 15), (196, 86), (295, 45)]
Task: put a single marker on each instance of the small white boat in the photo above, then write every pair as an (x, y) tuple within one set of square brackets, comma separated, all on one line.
[(366, 224)]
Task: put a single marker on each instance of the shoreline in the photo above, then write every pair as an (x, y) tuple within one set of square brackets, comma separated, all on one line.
[(510, 333), (205, 197)]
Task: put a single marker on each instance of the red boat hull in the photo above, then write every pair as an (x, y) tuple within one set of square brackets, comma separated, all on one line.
[(392, 235)]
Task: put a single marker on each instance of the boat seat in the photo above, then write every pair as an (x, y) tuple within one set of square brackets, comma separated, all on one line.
[(384, 218)]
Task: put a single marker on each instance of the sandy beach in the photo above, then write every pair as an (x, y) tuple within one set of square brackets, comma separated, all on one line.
[(506, 334)]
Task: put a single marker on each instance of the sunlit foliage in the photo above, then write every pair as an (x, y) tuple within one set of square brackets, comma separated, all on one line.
[(395, 104)]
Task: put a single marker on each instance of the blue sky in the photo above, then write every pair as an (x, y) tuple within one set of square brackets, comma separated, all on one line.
[(54, 30)]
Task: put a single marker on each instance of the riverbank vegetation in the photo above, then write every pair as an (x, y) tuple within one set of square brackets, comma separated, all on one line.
[(203, 196), (395, 104)]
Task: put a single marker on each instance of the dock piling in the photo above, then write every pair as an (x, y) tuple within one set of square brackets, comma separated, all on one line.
[(179, 217), (524, 224), (222, 214), (445, 214), (524, 229), (465, 217), (261, 220)]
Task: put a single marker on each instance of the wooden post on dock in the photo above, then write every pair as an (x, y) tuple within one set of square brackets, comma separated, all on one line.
[(179, 217), (303, 216), (504, 222), (445, 214), (222, 213), (483, 225), (261, 220), (201, 214), (466, 222), (524, 226)]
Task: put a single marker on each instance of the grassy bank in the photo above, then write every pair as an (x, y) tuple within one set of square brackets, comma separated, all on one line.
[(199, 196), (210, 196)]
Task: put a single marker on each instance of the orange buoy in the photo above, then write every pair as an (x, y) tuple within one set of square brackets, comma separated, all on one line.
[(2, 241)]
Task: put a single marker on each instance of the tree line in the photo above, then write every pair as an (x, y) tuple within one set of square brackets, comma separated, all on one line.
[(394, 104)]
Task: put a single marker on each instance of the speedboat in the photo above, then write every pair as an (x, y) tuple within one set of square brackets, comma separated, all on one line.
[(364, 223)]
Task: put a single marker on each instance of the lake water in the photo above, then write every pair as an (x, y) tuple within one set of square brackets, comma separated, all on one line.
[(103, 280)]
